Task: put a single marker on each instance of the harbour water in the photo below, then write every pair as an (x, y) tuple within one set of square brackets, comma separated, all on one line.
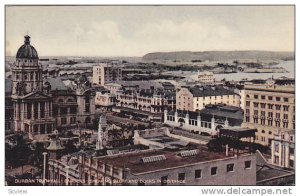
[(288, 65)]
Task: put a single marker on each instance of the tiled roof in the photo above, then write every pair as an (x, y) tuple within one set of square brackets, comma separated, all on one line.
[(56, 84)]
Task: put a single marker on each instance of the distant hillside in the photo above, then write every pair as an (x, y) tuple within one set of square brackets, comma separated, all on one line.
[(219, 55)]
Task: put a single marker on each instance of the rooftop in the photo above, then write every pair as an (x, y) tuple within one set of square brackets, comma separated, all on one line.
[(266, 172), (142, 84), (220, 110), (204, 91), (271, 88), (237, 132), (56, 84), (26, 50), (173, 159), (233, 114)]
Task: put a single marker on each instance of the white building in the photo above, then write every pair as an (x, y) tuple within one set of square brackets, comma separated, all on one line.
[(206, 77), (113, 88), (241, 93), (190, 123), (283, 149), (105, 100), (105, 73), (195, 98)]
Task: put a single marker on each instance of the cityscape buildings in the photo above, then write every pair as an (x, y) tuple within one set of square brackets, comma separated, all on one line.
[(270, 108), (180, 118)]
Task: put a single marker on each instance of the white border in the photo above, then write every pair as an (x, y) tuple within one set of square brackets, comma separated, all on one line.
[(83, 190)]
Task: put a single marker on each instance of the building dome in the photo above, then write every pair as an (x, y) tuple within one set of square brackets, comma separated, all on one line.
[(26, 50)]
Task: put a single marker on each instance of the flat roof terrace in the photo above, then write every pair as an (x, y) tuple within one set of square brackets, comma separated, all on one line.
[(134, 161)]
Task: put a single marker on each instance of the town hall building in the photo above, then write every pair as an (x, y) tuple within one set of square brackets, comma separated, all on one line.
[(41, 105)]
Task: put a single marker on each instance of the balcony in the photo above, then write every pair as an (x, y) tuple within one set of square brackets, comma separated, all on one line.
[(285, 120), (255, 116), (277, 119), (270, 118), (262, 117)]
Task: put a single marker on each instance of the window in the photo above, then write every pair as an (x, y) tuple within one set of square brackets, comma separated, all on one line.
[(285, 116), (263, 97), (255, 112), (278, 99), (63, 110), (73, 120), (277, 115), (29, 109), (73, 110), (198, 173), (42, 109), (276, 147), (255, 96), (270, 122), (270, 106), (36, 110), (270, 98), (63, 121), (181, 176), (262, 113), (270, 114), (286, 99), (291, 163), (263, 131), (278, 107), (230, 167), (255, 120), (285, 108), (247, 103), (247, 111), (292, 150), (247, 164), (164, 180), (247, 119), (255, 104), (213, 171)]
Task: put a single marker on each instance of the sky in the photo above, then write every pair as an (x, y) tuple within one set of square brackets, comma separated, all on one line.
[(138, 30)]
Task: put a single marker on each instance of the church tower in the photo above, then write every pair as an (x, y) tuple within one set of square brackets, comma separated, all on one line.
[(32, 107)]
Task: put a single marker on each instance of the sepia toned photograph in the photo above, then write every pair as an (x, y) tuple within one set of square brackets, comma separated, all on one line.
[(150, 95)]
